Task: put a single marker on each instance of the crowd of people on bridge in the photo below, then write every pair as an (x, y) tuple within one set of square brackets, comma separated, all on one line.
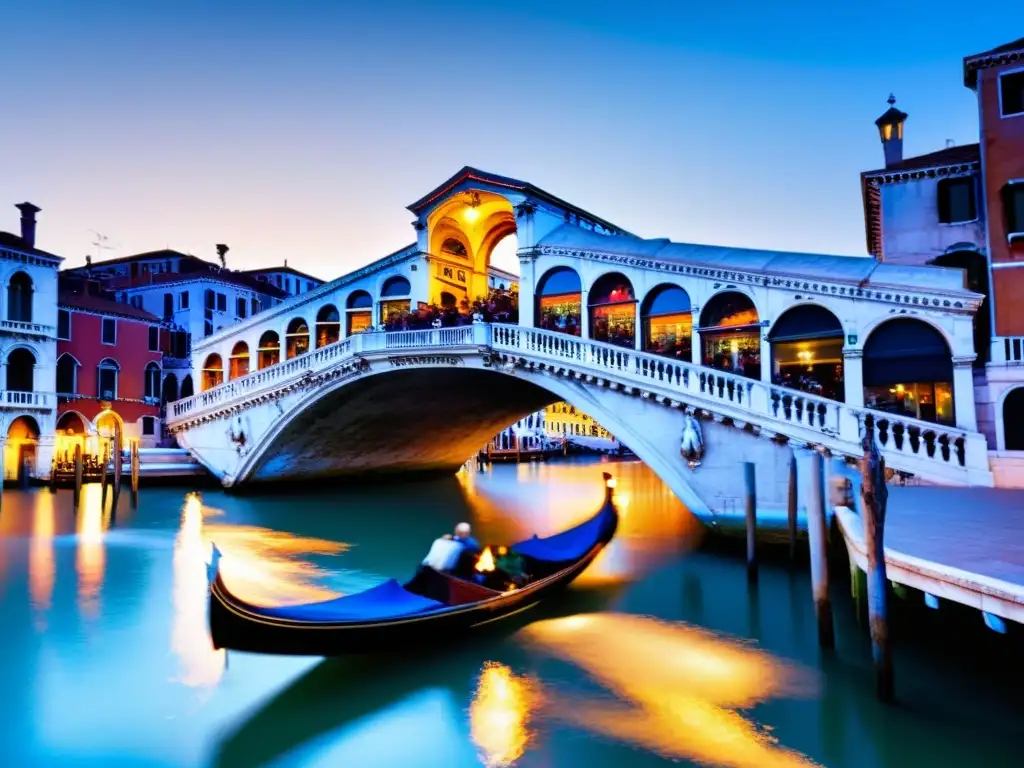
[(499, 306)]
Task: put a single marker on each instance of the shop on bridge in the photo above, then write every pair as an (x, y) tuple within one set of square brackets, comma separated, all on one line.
[(213, 372), (328, 326), (730, 334), (238, 362), (908, 370), (358, 312), (612, 307), (807, 351), (667, 317), (269, 352), (296, 338), (395, 299), (559, 297)]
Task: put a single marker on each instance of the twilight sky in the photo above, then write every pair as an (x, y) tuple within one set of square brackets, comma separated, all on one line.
[(301, 129)]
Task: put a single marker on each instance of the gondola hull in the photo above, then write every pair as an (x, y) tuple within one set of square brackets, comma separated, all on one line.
[(236, 625)]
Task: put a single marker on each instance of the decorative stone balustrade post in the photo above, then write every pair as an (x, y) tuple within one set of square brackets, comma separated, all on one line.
[(963, 393), (853, 377)]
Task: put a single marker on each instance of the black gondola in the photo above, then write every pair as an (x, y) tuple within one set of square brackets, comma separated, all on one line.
[(432, 607)]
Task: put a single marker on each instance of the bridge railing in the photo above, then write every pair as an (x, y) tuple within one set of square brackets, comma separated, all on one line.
[(907, 442)]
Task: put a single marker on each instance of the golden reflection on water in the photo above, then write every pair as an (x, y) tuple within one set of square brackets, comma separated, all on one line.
[(500, 713), (545, 499), (90, 555), (267, 567), (679, 687), (201, 665), (41, 567)]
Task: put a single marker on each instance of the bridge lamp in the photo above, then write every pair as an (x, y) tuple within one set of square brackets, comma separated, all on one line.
[(472, 211)]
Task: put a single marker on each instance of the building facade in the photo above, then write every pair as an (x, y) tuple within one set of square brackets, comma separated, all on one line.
[(963, 207), (285, 278), (28, 348), (109, 372)]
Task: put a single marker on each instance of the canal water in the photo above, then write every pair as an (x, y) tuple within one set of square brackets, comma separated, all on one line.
[(661, 653)]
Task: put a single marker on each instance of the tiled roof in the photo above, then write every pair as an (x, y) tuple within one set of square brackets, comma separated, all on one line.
[(469, 174), (289, 270), (16, 243), (102, 306), (1002, 54), (170, 278), (966, 153)]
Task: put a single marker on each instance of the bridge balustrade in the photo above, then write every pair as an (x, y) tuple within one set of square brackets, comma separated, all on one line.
[(908, 444)]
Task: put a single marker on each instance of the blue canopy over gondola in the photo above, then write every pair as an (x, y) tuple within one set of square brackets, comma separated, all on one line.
[(385, 601)]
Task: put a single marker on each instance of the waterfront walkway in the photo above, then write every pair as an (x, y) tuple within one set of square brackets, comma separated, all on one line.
[(961, 544)]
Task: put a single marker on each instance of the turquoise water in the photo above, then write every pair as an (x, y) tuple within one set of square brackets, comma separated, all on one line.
[(661, 653)]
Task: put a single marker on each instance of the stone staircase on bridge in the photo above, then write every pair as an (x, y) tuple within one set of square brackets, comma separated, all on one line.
[(930, 452)]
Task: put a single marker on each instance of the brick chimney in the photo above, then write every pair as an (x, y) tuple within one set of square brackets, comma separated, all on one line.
[(28, 222)]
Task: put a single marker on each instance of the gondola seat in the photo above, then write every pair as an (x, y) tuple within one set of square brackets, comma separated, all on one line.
[(385, 601)]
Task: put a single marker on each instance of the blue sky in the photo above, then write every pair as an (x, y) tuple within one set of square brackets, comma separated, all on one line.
[(302, 129)]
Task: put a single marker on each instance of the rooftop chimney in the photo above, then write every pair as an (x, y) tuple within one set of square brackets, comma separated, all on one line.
[(222, 254), (28, 222), (890, 130)]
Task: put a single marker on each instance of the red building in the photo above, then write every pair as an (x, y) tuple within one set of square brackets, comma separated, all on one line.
[(108, 371)]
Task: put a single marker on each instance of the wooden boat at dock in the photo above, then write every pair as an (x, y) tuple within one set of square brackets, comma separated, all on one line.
[(433, 607)]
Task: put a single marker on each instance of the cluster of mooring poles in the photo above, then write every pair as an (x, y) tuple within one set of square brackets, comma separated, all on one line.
[(116, 460), (874, 495)]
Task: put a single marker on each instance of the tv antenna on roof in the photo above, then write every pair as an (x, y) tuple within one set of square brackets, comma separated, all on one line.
[(102, 243)]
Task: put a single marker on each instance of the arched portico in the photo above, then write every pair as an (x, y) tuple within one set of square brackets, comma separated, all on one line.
[(730, 334), (358, 312), (807, 351), (667, 318), (908, 370), (21, 448), (559, 299), (462, 233), (611, 303), (1013, 420)]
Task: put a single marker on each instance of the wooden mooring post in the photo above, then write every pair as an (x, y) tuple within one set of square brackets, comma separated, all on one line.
[(104, 475), (874, 496), (791, 508), (135, 473), (118, 456), (817, 534), (78, 473), (750, 502)]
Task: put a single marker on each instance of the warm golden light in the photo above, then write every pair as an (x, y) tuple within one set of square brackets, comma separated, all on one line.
[(201, 665), (485, 563), (679, 686), (471, 214), (610, 482), (91, 555), (500, 713), (41, 566)]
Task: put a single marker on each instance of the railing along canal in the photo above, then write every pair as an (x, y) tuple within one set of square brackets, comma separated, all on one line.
[(909, 444)]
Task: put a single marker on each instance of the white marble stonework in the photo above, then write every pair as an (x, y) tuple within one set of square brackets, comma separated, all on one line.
[(636, 395)]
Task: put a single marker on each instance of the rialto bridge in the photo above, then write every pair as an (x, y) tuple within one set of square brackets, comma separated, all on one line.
[(768, 350)]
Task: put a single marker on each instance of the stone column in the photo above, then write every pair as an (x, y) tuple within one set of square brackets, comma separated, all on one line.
[(584, 315), (853, 377), (695, 347), (766, 357), (527, 284), (963, 393), (638, 328)]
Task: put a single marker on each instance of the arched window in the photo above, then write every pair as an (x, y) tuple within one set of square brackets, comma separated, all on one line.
[(187, 390), (908, 369), (559, 297), (21, 370), (730, 334), (269, 352), (612, 307), (975, 269), (238, 363), (70, 423), (395, 302), (67, 375), (19, 298), (807, 351), (106, 378), (358, 312), (454, 247), (152, 383), (328, 325), (1013, 420), (296, 338), (213, 372), (668, 322), (170, 388)]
